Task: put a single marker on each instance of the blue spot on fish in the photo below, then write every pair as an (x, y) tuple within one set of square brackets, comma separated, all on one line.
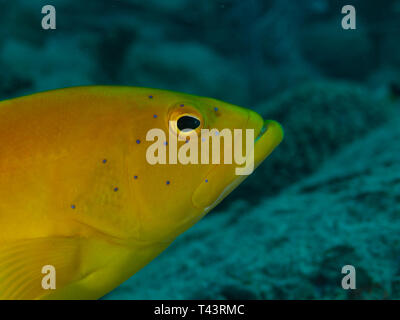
[(137, 141), (104, 160), (73, 206), (135, 177), (168, 182), (115, 189), (154, 116)]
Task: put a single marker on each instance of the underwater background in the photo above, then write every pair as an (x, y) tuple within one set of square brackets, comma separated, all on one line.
[(328, 196)]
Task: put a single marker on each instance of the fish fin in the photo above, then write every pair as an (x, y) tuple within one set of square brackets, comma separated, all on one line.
[(22, 262)]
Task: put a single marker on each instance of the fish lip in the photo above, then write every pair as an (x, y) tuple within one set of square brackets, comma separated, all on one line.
[(263, 129), (269, 137)]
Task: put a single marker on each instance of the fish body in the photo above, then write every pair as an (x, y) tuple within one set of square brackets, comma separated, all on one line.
[(78, 194)]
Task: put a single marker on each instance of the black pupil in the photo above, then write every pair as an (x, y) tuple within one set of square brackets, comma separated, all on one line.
[(187, 123)]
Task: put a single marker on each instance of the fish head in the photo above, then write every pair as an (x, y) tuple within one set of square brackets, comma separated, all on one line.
[(175, 194)]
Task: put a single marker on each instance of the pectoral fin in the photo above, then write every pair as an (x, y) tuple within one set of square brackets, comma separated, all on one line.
[(22, 263)]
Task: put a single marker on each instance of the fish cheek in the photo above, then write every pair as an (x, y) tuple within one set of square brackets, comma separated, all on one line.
[(218, 184)]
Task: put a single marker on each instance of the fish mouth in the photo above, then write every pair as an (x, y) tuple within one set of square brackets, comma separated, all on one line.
[(269, 135), (263, 129)]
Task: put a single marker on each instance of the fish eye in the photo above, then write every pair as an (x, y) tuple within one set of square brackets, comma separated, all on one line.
[(184, 118), (188, 123)]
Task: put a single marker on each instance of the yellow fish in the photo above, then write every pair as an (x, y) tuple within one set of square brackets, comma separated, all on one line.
[(81, 207)]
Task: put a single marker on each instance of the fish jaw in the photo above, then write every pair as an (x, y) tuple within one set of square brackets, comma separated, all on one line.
[(268, 135), (267, 141)]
